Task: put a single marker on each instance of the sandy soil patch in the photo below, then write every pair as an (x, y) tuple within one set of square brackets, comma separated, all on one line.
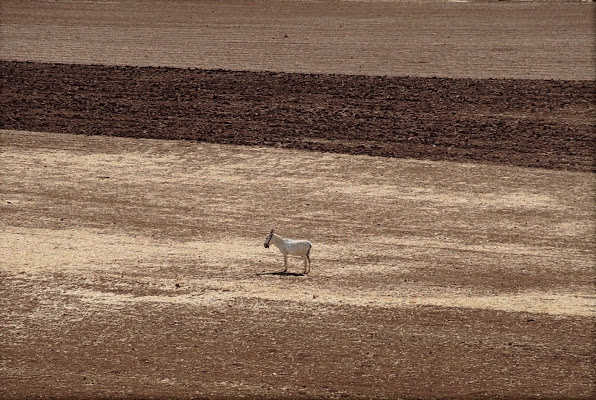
[(107, 234)]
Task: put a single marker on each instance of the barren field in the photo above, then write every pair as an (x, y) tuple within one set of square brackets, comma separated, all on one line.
[(452, 218), (530, 123), (477, 39), (136, 267)]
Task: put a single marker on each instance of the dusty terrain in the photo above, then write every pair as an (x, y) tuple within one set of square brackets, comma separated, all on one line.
[(137, 267), (478, 39), (460, 264)]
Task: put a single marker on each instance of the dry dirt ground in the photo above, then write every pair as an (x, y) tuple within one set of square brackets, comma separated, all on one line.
[(530, 123), (477, 39), (134, 268)]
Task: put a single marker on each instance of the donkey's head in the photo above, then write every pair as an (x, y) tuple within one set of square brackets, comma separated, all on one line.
[(268, 239)]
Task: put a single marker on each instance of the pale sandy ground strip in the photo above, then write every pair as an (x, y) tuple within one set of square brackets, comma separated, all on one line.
[(196, 214), (35, 254), (419, 38)]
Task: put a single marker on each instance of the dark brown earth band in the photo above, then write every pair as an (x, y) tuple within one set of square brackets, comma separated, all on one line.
[(528, 123)]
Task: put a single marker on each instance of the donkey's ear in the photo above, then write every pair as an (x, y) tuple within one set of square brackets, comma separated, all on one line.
[(271, 231)]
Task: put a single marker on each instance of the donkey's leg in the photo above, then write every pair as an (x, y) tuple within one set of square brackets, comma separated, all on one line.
[(285, 262), (305, 264), (308, 258)]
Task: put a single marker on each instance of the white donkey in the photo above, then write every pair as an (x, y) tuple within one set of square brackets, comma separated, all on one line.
[(299, 248)]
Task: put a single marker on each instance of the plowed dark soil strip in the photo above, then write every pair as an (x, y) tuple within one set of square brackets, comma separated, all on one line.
[(530, 123)]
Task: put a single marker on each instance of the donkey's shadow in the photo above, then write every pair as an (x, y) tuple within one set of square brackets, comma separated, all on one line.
[(279, 273)]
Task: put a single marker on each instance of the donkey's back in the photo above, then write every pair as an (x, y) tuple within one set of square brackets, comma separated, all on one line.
[(297, 247)]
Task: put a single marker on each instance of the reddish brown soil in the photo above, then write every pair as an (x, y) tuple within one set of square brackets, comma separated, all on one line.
[(530, 123), (260, 350), (476, 39), (135, 269)]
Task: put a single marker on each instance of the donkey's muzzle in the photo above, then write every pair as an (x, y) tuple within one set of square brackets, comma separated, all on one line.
[(266, 246)]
